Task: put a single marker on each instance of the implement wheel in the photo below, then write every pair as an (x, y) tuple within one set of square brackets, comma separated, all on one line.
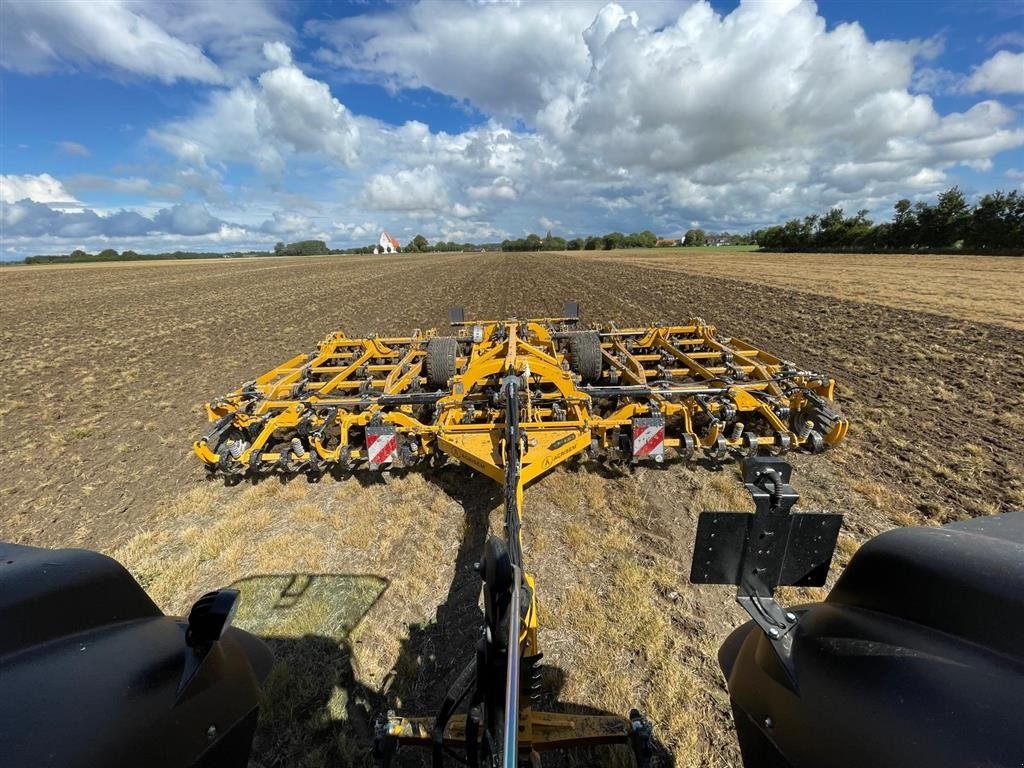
[(439, 366), (585, 355)]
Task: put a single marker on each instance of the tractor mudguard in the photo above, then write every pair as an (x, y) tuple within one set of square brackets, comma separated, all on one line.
[(916, 658), (94, 674)]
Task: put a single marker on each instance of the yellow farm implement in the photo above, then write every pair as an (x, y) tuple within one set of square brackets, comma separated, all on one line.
[(513, 399)]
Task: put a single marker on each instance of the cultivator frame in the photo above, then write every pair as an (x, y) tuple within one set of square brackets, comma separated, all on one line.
[(513, 399)]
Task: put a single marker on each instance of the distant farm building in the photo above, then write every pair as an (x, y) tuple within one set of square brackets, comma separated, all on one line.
[(386, 244), (669, 241)]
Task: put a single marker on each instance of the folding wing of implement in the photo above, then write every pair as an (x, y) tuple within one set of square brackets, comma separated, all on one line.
[(514, 399)]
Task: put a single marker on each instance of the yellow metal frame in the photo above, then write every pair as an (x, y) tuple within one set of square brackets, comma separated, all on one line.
[(338, 391)]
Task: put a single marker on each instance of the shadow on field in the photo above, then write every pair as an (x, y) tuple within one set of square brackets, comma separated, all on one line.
[(316, 710)]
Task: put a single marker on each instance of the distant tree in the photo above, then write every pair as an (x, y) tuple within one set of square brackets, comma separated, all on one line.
[(279, 249), (593, 243), (614, 240), (419, 243), (695, 238), (904, 231), (129, 255), (576, 244), (953, 216), (107, 254), (646, 239), (305, 248), (997, 222)]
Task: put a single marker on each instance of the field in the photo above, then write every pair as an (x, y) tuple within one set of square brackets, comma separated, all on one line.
[(106, 368)]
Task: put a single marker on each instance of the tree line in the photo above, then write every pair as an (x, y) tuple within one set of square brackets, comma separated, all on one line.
[(109, 254), (995, 224), (420, 244), (532, 242)]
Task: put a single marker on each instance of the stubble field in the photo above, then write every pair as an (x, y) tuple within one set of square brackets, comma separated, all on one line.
[(106, 369)]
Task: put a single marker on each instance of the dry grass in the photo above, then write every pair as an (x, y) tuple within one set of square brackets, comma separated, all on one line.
[(107, 367), (982, 288)]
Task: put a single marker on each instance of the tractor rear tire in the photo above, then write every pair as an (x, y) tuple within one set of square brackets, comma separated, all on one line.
[(439, 366), (585, 355)]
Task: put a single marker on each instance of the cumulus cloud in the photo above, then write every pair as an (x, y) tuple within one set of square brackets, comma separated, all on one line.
[(232, 33), (357, 232), (1003, 73), (186, 219), (47, 36), (41, 188), (27, 218), (672, 113), (287, 223), (412, 189), (501, 188), (264, 122), (467, 52), (462, 211)]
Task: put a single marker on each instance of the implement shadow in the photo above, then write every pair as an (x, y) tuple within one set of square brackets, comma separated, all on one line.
[(317, 713), (435, 653), (315, 710), (438, 650)]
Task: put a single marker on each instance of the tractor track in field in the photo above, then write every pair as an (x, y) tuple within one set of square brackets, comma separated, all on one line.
[(107, 368)]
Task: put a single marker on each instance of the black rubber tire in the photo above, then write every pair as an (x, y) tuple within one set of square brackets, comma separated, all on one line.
[(585, 355), (439, 366)]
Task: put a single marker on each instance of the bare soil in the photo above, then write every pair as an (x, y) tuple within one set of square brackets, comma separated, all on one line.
[(106, 369)]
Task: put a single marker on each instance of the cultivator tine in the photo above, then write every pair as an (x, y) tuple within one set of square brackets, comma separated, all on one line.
[(711, 395)]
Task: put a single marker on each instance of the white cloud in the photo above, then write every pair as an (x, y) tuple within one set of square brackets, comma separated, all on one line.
[(187, 219), (461, 211), (287, 223), (262, 123), (467, 52), (501, 188), (356, 232), (1006, 40), (73, 148), (27, 218), (277, 53), (232, 33), (42, 188), (673, 113), (46, 36), (1003, 73), (415, 189)]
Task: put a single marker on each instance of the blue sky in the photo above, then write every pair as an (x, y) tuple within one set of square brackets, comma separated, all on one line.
[(229, 126)]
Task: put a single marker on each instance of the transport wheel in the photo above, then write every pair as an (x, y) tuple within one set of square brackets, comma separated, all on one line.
[(440, 363), (585, 355)]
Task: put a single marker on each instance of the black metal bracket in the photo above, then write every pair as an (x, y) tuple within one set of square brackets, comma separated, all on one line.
[(772, 547)]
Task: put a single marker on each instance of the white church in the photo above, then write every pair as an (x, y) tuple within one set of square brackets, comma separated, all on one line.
[(386, 244)]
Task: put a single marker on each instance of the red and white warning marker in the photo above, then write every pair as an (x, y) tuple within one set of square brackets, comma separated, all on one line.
[(649, 439), (381, 445)]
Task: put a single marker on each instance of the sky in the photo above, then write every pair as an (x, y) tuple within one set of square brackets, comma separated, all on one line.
[(229, 126)]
